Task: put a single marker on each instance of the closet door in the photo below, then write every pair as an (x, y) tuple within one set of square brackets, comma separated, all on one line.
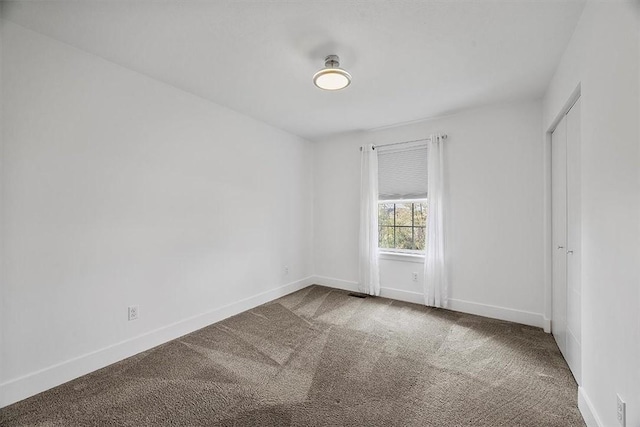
[(574, 293), (566, 303), (559, 235)]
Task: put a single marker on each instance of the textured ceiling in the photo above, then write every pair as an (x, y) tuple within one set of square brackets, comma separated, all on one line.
[(409, 59)]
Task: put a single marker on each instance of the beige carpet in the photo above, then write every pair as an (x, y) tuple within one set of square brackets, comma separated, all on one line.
[(321, 357)]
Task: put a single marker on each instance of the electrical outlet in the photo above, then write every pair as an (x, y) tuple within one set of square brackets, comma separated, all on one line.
[(415, 276), (133, 312), (286, 270), (622, 409)]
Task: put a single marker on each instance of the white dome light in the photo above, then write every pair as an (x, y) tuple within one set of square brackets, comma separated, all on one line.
[(332, 77)]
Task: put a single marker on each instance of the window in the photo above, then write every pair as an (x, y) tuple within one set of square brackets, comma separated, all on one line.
[(401, 225), (402, 195)]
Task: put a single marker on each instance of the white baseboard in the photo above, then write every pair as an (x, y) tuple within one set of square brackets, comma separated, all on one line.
[(586, 409), (20, 388), (349, 285), (546, 322), (345, 285), (492, 311), (400, 295), (496, 312)]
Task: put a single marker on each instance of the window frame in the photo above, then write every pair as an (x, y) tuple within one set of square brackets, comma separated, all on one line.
[(396, 253)]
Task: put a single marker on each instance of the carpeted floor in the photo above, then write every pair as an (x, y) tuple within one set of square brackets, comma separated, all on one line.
[(321, 357)]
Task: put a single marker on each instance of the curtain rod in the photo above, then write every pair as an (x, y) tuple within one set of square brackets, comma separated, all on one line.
[(404, 142)]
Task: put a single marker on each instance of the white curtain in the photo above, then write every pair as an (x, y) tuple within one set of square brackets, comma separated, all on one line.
[(435, 269), (369, 270)]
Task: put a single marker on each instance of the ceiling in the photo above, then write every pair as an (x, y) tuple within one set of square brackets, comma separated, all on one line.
[(410, 60)]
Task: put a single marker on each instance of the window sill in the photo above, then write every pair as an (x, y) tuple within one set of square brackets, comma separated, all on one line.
[(403, 257)]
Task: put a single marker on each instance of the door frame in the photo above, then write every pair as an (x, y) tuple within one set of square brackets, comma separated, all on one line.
[(546, 223)]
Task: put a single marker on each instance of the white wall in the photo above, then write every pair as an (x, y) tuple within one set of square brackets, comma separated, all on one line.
[(495, 187), (121, 190), (603, 58)]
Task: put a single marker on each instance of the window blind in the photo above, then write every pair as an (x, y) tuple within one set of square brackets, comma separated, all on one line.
[(402, 173)]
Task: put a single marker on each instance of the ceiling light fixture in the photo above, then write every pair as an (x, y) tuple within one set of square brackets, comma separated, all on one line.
[(332, 77)]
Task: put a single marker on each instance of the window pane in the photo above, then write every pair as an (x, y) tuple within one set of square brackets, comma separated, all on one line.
[(420, 237), (404, 238), (420, 214), (402, 225), (385, 237), (385, 214), (403, 214)]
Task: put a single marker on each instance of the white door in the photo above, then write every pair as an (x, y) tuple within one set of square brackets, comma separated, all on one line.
[(574, 292), (559, 235), (566, 294)]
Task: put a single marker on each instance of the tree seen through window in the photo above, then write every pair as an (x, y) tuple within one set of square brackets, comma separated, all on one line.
[(401, 226)]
